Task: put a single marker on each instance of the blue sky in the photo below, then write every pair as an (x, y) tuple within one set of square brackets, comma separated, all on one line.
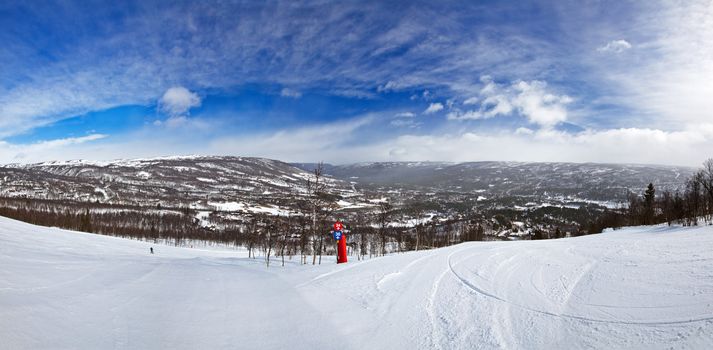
[(349, 81)]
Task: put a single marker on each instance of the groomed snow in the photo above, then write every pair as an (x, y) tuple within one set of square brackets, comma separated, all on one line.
[(647, 288)]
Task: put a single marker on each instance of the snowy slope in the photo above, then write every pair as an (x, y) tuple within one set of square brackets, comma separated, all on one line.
[(634, 288)]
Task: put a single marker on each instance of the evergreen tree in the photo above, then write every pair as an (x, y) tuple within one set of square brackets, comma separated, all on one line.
[(85, 222), (649, 196)]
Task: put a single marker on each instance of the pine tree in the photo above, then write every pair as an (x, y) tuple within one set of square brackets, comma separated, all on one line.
[(649, 197), (85, 222)]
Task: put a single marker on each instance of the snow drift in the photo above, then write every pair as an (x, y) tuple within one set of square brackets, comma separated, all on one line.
[(646, 287)]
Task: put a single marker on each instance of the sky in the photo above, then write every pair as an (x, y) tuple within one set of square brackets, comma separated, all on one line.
[(358, 81)]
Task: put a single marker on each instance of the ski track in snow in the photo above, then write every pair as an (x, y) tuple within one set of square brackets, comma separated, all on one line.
[(477, 289), (645, 288)]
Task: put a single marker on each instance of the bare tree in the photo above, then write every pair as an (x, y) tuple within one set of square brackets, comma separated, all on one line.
[(303, 223), (316, 188), (326, 212), (666, 204), (693, 198), (383, 218), (269, 241), (285, 227), (251, 234), (417, 212), (706, 180), (358, 227)]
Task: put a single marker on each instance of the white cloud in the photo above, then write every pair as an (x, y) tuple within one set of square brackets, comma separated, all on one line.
[(294, 50), (287, 92), (497, 104), (53, 96), (173, 122), (433, 108), (617, 46), (177, 101), (405, 123), (524, 131), (530, 99), (467, 115), (471, 100), (67, 141), (302, 144), (539, 106), (183, 122), (43, 150), (405, 115), (629, 145), (689, 146), (665, 82), (389, 86), (135, 63)]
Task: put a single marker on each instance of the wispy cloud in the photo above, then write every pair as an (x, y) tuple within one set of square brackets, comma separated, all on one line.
[(471, 101), (405, 115), (433, 108), (405, 123), (661, 80), (350, 49), (617, 46), (608, 66), (10, 153), (309, 143), (287, 92), (68, 141)]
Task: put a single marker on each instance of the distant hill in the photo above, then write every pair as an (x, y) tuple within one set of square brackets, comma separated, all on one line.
[(586, 180), (168, 180), (197, 180)]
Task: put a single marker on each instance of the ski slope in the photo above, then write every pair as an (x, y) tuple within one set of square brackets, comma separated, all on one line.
[(646, 288)]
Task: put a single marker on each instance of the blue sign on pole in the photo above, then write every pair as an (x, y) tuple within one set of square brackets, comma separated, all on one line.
[(337, 235)]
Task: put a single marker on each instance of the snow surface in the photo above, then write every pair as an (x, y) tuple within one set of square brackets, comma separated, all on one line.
[(246, 207), (646, 288)]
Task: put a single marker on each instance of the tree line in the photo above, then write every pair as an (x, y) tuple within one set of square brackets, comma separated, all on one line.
[(693, 205)]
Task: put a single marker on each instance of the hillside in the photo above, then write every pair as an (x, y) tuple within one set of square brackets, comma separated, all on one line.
[(196, 180), (646, 288), (590, 181), (171, 181)]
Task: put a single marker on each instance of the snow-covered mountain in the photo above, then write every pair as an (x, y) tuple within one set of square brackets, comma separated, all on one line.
[(269, 186), (636, 288), (603, 182), (170, 181)]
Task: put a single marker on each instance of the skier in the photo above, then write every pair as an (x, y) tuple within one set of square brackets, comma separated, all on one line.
[(151, 250)]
